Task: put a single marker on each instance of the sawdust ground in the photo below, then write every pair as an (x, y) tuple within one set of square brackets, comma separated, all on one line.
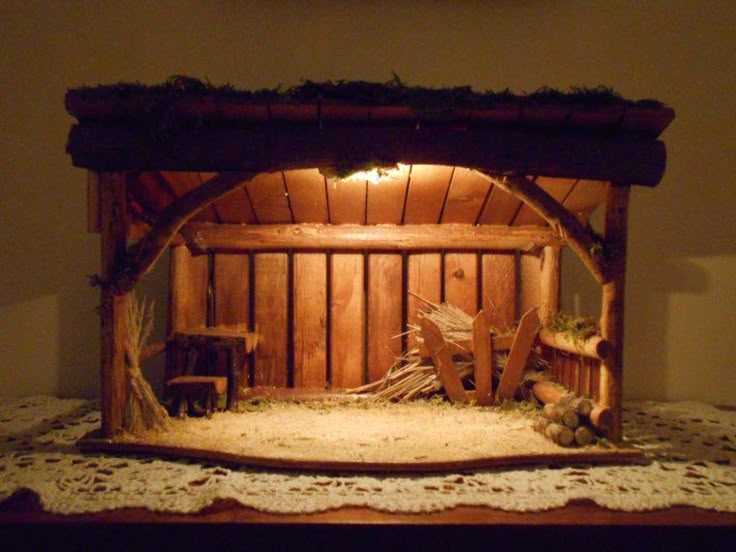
[(362, 432)]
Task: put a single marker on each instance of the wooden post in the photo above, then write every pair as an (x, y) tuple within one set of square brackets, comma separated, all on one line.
[(113, 204), (550, 285), (612, 311)]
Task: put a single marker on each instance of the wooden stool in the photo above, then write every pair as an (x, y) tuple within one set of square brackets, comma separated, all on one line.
[(238, 343), (188, 389)]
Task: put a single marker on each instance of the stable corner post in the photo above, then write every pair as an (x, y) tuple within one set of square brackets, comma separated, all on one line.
[(113, 218)]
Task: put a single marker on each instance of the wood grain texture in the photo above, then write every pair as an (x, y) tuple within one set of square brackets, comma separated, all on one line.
[(428, 186), (347, 320), (530, 272), (412, 237), (585, 197), (483, 351), (518, 355), (310, 320), (499, 290), (549, 285), (235, 207), (465, 197), (612, 309), (424, 278), (500, 208), (307, 195), (113, 203), (384, 312), (347, 201), (442, 360), (267, 194), (557, 188), (386, 198), (271, 305), (232, 287), (183, 182), (461, 281), (188, 277)]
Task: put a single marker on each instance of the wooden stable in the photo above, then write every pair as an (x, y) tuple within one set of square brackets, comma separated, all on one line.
[(262, 239)]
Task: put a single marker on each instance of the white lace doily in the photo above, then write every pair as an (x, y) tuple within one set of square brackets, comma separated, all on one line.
[(691, 448)]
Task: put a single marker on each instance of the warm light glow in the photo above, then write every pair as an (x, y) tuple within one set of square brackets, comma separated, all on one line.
[(376, 175)]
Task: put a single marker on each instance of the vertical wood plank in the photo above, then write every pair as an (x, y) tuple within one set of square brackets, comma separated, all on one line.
[(612, 309), (232, 289), (386, 198), (549, 285), (424, 278), (483, 370), (530, 272), (347, 201), (113, 203), (347, 320), (188, 278), (428, 186), (442, 360), (461, 281), (384, 312), (518, 354), (499, 290), (310, 320), (307, 195), (465, 197), (271, 306)]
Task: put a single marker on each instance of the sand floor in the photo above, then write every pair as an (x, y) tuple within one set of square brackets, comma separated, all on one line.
[(422, 432)]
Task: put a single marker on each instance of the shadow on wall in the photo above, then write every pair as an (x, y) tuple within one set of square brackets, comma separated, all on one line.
[(650, 283)]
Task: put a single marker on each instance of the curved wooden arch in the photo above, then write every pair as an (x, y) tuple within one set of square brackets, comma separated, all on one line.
[(580, 238), (142, 255)]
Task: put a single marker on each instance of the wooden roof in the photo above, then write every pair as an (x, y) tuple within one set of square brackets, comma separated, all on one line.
[(412, 194), (194, 129)]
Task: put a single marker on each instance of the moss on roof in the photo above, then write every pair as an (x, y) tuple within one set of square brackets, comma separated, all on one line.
[(393, 92)]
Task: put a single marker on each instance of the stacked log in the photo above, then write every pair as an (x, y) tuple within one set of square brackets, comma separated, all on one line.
[(567, 419)]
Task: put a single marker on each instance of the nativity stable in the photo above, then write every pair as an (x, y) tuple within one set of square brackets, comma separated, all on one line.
[(309, 231)]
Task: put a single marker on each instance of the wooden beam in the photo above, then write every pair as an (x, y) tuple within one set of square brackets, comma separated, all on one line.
[(569, 153), (143, 254), (381, 237), (113, 204), (612, 311), (593, 347), (523, 341), (564, 223)]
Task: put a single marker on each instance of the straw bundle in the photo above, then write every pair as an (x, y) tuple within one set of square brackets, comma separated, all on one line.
[(143, 411)]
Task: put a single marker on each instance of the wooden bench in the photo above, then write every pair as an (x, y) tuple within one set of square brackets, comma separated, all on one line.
[(186, 390)]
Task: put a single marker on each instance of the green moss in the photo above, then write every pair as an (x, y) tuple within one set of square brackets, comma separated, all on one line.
[(578, 328), (392, 92)]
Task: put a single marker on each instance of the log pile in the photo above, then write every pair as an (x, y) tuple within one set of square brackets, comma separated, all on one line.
[(567, 419)]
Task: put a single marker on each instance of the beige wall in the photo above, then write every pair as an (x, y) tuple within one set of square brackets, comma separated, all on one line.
[(682, 294)]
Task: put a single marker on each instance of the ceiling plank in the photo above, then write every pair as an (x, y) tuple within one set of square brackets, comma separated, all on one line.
[(557, 188), (347, 201), (386, 198), (268, 196), (428, 186), (468, 191), (307, 195)]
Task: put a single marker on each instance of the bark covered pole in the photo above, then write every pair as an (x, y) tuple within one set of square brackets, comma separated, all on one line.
[(612, 309), (113, 217)]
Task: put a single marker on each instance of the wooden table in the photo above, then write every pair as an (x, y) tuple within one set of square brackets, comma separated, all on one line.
[(227, 523)]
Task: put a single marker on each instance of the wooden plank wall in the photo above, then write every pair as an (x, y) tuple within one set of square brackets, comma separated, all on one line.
[(331, 319)]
